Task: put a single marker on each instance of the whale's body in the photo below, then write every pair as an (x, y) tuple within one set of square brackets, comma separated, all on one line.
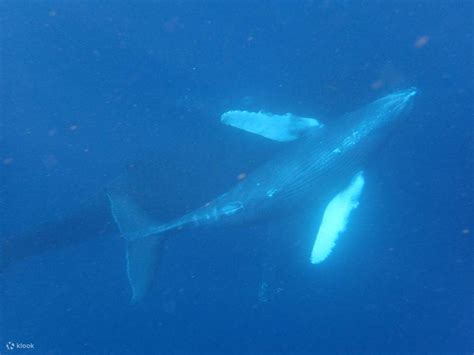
[(320, 165)]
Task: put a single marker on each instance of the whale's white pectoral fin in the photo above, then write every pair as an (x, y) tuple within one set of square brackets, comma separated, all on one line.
[(335, 218), (281, 128)]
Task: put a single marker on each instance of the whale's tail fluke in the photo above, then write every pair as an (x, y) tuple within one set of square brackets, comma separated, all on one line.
[(142, 242), (142, 263)]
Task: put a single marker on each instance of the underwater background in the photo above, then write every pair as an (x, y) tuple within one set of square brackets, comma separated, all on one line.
[(89, 88)]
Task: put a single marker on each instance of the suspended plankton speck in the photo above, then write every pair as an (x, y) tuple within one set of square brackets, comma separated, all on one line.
[(49, 160), (421, 41), (241, 176), (377, 85)]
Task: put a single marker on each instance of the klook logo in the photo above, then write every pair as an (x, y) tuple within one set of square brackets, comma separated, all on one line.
[(23, 346)]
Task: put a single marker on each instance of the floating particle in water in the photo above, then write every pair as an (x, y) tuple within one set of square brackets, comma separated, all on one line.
[(377, 84), (421, 41), (263, 292), (49, 161), (241, 176), (466, 231), (7, 161), (169, 307), (73, 127), (173, 24)]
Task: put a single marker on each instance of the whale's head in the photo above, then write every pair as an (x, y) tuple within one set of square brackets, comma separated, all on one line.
[(374, 121), (381, 114), (396, 104)]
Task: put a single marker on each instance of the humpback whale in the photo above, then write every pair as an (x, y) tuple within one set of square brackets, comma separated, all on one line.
[(319, 165)]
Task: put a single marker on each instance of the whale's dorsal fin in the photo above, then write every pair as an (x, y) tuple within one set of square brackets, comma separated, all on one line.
[(281, 128)]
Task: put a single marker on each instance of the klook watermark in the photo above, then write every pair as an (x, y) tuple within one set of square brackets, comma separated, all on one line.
[(12, 345)]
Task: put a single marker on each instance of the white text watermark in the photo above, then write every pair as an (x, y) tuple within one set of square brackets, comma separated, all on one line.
[(12, 345)]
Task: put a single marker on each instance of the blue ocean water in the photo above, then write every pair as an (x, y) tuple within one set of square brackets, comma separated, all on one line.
[(90, 89)]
